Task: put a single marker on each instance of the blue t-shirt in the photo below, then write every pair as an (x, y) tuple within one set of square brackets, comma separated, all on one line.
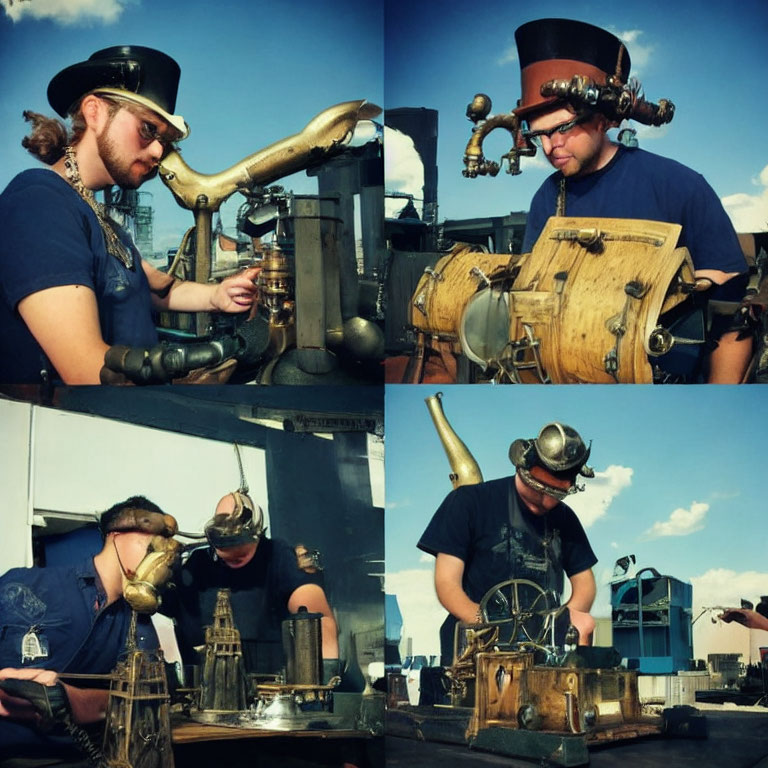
[(50, 237), (640, 185), (62, 614)]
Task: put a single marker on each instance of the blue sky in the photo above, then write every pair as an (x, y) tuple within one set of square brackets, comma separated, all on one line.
[(253, 72), (680, 476), (710, 59)]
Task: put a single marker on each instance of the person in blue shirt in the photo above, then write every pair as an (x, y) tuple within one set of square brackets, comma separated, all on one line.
[(73, 283), (73, 619), (598, 177)]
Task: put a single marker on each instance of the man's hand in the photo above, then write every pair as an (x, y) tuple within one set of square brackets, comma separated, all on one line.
[(751, 619), (18, 708), (236, 293)]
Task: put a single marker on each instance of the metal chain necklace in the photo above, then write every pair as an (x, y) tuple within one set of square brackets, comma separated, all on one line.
[(560, 207), (112, 242)]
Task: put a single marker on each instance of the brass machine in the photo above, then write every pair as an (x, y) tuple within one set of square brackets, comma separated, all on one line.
[(558, 314), (512, 689), (274, 702), (321, 139), (298, 317), (137, 731)]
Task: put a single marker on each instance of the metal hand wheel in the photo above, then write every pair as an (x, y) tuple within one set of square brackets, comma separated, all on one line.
[(524, 605)]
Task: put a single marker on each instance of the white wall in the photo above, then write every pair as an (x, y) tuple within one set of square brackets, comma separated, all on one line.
[(15, 507), (83, 464)]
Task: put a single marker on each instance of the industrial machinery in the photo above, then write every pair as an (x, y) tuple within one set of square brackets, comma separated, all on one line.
[(557, 315), (515, 688), (296, 699), (651, 620), (306, 326)]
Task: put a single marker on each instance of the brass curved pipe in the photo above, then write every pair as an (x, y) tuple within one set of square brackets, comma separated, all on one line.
[(473, 154), (616, 101), (322, 137), (474, 160)]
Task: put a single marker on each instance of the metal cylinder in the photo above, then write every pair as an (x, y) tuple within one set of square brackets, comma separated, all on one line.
[(303, 648)]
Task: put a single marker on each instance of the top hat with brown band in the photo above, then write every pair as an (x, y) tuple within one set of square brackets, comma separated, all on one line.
[(558, 49), (134, 72)]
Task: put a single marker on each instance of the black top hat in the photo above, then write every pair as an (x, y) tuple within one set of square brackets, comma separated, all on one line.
[(141, 74), (558, 49)]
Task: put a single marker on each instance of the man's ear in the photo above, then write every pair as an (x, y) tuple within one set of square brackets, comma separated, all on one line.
[(94, 111)]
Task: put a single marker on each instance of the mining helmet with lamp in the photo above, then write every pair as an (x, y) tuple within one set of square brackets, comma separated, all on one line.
[(241, 526), (560, 450)]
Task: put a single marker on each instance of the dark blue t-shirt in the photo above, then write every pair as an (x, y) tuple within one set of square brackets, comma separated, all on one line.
[(62, 611), (640, 185), (259, 593), (474, 523), (50, 237)]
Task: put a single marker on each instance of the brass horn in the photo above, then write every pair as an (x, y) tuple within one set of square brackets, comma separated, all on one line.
[(464, 469), (323, 137)]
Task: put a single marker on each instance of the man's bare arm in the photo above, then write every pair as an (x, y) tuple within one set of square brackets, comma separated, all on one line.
[(583, 590), (312, 596), (65, 322), (751, 619), (449, 571), (233, 294)]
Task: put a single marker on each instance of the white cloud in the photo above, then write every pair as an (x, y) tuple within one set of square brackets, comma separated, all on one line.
[(539, 160), (65, 11), (599, 492), (749, 213), (403, 171), (601, 608), (681, 522), (639, 54), (426, 558), (724, 587), (419, 606), (507, 56)]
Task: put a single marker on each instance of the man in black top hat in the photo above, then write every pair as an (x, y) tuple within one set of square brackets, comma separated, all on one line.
[(574, 88), (515, 528), (73, 283)]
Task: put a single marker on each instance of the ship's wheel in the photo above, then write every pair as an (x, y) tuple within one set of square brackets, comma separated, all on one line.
[(522, 605)]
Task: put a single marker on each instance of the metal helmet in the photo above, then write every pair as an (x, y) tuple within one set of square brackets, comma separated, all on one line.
[(559, 449), (243, 525)]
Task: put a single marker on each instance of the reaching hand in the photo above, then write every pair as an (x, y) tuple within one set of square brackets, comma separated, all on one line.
[(751, 619), (236, 293), (22, 709)]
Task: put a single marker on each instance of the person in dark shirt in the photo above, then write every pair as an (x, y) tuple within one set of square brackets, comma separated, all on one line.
[(598, 177), (515, 528), (73, 283), (267, 582), (75, 619)]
